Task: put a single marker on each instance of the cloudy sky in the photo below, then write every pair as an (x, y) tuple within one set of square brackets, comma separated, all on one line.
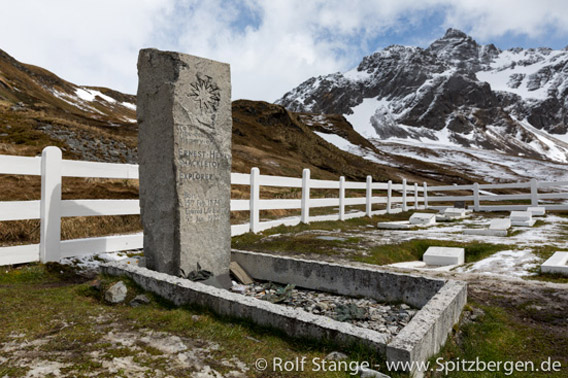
[(272, 45)]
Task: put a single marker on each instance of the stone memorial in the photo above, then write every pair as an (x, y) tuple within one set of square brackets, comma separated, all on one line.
[(442, 256), (556, 264), (497, 227), (184, 147), (423, 219), (522, 218), (451, 213), (537, 211), (500, 224)]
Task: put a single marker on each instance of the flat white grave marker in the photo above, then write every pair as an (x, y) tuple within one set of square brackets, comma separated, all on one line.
[(557, 263), (500, 224), (396, 225), (522, 218), (441, 256), (537, 211), (423, 219)]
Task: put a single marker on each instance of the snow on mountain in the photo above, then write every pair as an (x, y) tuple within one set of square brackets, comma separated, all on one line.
[(453, 93)]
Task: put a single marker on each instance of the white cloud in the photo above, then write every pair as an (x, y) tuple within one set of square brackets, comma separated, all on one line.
[(96, 42), (485, 19)]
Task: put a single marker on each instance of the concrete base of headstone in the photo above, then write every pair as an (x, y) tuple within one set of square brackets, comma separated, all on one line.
[(440, 301), (557, 264), (539, 211), (396, 225), (486, 232), (444, 256), (423, 219)]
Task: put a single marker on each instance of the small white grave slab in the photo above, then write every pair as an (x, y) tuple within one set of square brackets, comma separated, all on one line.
[(398, 225), (454, 212), (522, 218), (451, 213), (557, 263), (486, 232), (423, 219), (441, 256), (500, 224), (539, 211)]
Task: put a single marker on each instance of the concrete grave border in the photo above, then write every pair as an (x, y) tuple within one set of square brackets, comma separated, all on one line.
[(440, 301)]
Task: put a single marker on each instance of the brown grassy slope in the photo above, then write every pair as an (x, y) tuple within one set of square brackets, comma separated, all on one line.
[(279, 143), (264, 135)]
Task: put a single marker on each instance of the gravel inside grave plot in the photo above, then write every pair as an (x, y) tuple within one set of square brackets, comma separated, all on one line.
[(367, 313)]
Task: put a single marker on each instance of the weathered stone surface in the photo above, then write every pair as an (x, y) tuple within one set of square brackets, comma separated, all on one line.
[(184, 116), (116, 293)]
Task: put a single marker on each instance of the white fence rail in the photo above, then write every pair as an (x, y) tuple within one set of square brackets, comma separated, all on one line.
[(51, 208)]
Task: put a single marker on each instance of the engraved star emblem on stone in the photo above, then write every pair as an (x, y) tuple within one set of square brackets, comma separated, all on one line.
[(205, 93)]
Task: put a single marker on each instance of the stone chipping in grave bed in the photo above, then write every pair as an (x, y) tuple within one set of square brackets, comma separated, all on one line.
[(362, 312)]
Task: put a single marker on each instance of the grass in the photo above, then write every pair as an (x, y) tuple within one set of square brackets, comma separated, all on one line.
[(40, 303), (296, 240), (498, 335), (414, 249), (51, 304)]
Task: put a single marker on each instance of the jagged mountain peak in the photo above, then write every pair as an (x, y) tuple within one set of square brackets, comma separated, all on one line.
[(452, 33), (454, 92)]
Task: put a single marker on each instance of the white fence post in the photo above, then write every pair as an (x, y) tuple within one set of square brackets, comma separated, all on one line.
[(368, 202), (534, 192), (476, 206), (425, 195), (404, 206), (254, 200), (50, 205), (342, 198), (389, 196), (305, 196), (416, 196)]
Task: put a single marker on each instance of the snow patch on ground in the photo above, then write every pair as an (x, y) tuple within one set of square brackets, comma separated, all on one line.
[(90, 95), (336, 140), (361, 117), (128, 105), (508, 263), (92, 262)]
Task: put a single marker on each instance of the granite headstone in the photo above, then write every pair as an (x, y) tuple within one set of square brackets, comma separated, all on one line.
[(184, 146)]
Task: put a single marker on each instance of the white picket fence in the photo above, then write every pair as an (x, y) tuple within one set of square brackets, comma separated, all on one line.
[(51, 208)]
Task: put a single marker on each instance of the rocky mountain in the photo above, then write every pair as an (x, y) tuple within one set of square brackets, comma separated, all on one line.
[(38, 109), (455, 92)]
